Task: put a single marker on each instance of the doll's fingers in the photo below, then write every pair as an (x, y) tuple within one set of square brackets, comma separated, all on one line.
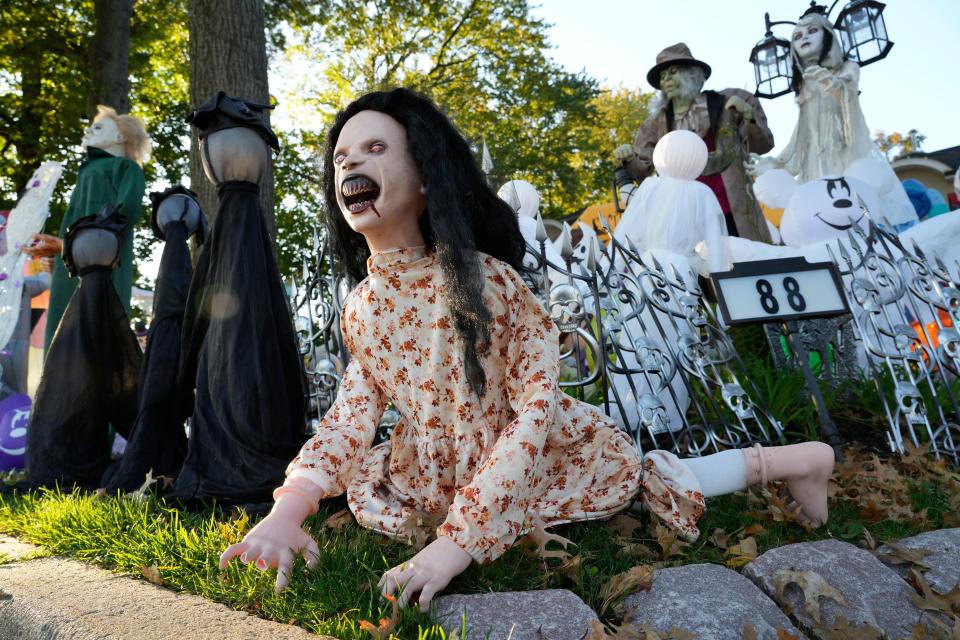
[(410, 588), (267, 560), (231, 552), (251, 554), (284, 568), (427, 592), (311, 553)]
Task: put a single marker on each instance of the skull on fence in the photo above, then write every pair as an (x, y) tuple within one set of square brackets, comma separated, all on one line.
[(910, 403), (653, 413), (737, 399), (866, 293), (303, 328), (325, 375), (692, 311), (651, 356), (949, 343), (566, 307)]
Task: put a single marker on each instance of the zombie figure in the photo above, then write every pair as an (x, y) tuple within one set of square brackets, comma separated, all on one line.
[(731, 122)]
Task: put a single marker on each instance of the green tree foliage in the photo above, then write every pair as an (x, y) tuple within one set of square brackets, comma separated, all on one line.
[(487, 64)]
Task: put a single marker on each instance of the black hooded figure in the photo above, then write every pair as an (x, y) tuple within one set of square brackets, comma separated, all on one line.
[(89, 380), (239, 350), (158, 442)]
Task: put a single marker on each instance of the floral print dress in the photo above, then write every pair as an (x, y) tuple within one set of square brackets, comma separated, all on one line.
[(488, 468)]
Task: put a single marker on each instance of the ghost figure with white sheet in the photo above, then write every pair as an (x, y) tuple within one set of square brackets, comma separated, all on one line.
[(672, 213), (524, 199)]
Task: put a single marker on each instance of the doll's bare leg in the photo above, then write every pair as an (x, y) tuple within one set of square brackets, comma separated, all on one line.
[(806, 469)]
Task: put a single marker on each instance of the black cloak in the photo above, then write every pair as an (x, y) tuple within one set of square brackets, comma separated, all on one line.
[(89, 379), (239, 353), (158, 442)]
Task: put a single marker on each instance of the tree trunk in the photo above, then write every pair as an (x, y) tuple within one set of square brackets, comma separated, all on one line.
[(109, 55), (228, 52)]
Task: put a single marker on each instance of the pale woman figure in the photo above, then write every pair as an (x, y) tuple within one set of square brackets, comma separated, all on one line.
[(831, 132), (443, 327)]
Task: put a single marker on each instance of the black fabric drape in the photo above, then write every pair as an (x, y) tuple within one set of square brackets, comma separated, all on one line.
[(89, 383), (158, 441), (240, 354)]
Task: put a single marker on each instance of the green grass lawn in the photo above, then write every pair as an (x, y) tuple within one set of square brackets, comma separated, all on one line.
[(874, 500)]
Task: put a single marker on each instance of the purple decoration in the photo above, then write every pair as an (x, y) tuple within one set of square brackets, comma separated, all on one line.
[(36, 183), (14, 417), (3, 277)]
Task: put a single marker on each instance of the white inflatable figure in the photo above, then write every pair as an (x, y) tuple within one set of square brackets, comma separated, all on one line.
[(672, 213), (831, 133), (24, 222)]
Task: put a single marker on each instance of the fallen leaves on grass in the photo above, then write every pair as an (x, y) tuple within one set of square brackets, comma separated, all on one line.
[(339, 521), (386, 626), (742, 553), (639, 578), (813, 587), (895, 553), (152, 574), (927, 599), (670, 544)]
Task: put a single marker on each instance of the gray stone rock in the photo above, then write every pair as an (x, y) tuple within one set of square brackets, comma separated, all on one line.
[(943, 557), (16, 550), (874, 594), (556, 614), (709, 600)]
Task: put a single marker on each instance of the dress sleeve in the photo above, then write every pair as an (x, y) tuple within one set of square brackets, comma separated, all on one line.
[(331, 458), (488, 514)]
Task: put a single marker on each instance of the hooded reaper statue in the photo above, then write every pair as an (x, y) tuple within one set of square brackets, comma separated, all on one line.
[(89, 380), (158, 443), (239, 351)]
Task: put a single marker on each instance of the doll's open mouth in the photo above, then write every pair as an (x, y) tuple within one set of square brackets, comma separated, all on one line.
[(838, 227), (359, 192)]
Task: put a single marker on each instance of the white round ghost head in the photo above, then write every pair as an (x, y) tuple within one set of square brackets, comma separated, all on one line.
[(826, 208), (680, 154), (521, 196)]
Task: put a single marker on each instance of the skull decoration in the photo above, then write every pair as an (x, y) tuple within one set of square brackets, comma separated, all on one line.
[(389, 421), (910, 403), (866, 294), (737, 399), (302, 326), (325, 375), (692, 353), (653, 414), (652, 357), (908, 344), (950, 344), (566, 307), (692, 311)]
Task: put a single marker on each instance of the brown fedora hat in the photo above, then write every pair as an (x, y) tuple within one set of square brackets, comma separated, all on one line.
[(674, 54)]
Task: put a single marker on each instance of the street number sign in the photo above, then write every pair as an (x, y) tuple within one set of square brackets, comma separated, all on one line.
[(779, 290)]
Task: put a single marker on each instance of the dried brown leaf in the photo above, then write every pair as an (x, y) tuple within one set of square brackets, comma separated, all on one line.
[(929, 600), (900, 555), (868, 539), (842, 630), (754, 529), (623, 525), (152, 574), (813, 587), (742, 553), (749, 632), (720, 539), (639, 578), (339, 521), (783, 634), (626, 632), (670, 544)]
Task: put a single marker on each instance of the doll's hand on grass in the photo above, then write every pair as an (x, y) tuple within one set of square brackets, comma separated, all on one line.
[(274, 541), (428, 572)]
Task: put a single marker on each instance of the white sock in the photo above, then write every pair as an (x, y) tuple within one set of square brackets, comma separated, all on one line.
[(719, 473)]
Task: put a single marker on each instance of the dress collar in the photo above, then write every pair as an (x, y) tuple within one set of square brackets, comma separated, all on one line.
[(393, 260)]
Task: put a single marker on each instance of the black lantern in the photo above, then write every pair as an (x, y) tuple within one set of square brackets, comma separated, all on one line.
[(772, 64), (863, 32)]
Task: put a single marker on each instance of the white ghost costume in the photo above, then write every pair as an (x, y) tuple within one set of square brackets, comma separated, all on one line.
[(524, 199)]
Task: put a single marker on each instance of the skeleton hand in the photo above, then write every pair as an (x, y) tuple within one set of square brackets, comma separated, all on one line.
[(740, 105), (427, 572), (624, 153), (757, 165), (275, 540)]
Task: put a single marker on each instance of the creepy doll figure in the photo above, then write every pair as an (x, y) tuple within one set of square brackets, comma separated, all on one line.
[(443, 327)]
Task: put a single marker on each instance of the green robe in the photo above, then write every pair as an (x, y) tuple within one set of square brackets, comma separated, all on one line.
[(102, 178)]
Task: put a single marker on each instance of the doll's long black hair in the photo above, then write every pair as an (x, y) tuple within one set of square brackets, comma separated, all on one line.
[(463, 215)]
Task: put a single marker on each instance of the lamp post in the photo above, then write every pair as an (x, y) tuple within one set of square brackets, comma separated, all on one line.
[(772, 64), (863, 35), (863, 31)]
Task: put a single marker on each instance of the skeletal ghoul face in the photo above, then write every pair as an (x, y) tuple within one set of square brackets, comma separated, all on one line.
[(824, 209), (379, 188), (566, 307)]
